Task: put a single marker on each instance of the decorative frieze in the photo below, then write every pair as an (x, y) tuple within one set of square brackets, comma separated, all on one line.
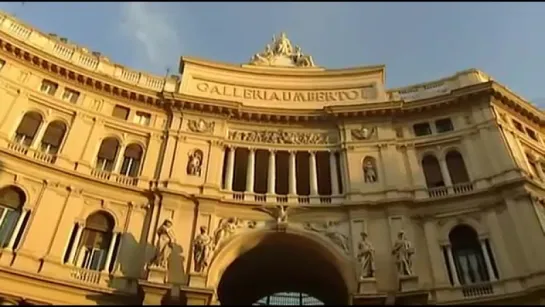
[(279, 137)]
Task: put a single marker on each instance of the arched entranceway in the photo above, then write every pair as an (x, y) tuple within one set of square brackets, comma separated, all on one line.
[(280, 267)]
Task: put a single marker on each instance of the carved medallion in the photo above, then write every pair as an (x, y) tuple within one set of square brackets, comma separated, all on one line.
[(200, 126), (363, 133)]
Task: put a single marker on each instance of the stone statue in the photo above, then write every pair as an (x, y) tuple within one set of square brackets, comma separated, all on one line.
[(369, 171), (403, 252), (282, 45), (363, 133), (195, 162), (225, 229), (329, 231), (163, 246), (281, 52), (202, 247), (366, 257)]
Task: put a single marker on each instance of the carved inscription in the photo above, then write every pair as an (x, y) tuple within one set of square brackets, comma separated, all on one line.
[(279, 137), (364, 92)]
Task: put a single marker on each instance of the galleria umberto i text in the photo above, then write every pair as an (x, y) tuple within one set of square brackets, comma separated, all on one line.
[(260, 183)]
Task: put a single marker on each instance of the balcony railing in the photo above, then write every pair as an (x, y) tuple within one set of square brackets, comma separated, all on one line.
[(282, 199), (86, 276), (460, 188), (477, 290)]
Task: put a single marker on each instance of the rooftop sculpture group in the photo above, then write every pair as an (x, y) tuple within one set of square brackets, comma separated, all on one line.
[(281, 53)]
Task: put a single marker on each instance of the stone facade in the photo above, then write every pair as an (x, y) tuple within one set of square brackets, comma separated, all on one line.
[(119, 187)]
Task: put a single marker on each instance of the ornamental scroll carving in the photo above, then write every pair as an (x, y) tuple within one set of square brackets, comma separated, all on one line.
[(279, 137)]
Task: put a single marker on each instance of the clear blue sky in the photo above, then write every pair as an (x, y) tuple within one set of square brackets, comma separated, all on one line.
[(417, 42)]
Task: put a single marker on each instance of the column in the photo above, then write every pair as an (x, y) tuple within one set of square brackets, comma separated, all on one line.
[(334, 176), (292, 173), (272, 173), (250, 172), (17, 229), (115, 235), (491, 274), (119, 159), (444, 171), (229, 171), (345, 176), (313, 174), (75, 244), (452, 266), (39, 135)]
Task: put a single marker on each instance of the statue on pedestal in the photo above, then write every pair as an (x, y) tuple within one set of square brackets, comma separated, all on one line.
[(202, 247), (282, 53), (403, 251), (366, 257), (163, 246)]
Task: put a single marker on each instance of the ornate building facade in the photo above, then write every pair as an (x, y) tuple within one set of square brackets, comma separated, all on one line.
[(230, 183)]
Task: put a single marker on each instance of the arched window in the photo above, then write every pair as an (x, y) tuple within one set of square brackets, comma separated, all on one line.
[(131, 160), (95, 241), (456, 167), (432, 172), (26, 131), (468, 254), (107, 154), (53, 136), (12, 200)]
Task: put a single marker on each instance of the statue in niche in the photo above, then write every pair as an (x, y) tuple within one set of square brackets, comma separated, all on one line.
[(163, 246), (369, 170), (328, 229), (202, 247), (195, 162), (363, 133), (366, 257), (403, 252), (226, 228)]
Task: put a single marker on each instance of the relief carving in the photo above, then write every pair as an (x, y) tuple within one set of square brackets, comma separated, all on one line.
[(200, 126), (403, 252), (364, 133), (279, 213), (226, 228), (163, 246), (279, 137), (194, 163), (329, 230)]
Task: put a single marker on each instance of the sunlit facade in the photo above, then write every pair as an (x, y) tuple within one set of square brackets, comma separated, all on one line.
[(276, 182)]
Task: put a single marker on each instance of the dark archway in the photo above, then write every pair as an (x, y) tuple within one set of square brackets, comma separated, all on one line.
[(282, 263)]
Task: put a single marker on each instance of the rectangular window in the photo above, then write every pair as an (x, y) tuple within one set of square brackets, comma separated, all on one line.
[(444, 125), (121, 112), (518, 126), (142, 118), (532, 134), (70, 95), (422, 129), (48, 87)]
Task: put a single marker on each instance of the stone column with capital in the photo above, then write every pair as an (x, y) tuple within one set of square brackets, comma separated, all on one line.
[(250, 171), (445, 172), (293, 173), (333, 173), (229, 171), (271, 181), (313, 174)]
